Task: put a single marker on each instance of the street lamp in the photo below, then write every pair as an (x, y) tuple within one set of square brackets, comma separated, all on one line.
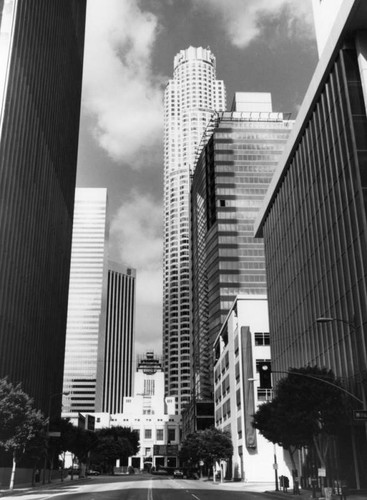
[(327, 382)]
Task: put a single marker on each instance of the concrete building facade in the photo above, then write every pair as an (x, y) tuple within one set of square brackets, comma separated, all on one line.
[(314, 222), (190, 99), (152, 415), (41, 60), (242, 344)]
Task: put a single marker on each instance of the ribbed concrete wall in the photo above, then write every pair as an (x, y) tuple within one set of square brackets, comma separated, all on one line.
[(38, 155)]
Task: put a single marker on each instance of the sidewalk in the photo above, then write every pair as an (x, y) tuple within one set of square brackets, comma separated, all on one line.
[(25, 488), (268, 488), (307, 495)]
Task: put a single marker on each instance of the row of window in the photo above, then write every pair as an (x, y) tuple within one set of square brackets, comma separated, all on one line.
[(148, 434)]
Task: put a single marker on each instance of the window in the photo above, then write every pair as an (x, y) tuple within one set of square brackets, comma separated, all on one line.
[(262, 338), (264, 394), (148, 433), (159, 434), (171, 435)]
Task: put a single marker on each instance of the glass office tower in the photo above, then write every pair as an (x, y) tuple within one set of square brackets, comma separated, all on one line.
[(190, 99), (86, 310), (229, 184), (41, 58)]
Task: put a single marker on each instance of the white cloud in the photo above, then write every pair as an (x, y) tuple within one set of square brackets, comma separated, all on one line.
[(136, 237), (119, 88), (136, 231), (243, 19)]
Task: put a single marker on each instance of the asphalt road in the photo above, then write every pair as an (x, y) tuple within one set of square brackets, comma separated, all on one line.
[(139, 488)]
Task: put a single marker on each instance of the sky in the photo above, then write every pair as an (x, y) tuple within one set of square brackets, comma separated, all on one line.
[(259, 45)]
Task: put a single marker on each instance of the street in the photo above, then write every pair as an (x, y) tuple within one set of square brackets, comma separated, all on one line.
[(141, 488)]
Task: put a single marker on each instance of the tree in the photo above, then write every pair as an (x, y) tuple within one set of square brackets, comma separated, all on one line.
[(84, 442), (36, 450), (59, 445), (19, 421), (115, 443), (209, 445), (74, 439), (309, 409)]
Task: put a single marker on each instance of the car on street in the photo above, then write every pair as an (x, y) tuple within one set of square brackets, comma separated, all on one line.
[(178, 474), (92, 472)]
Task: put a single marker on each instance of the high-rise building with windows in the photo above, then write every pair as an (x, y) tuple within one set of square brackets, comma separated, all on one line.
[(231, 178), (190, 99), (101, 315), (85, 333), (41, 60), (115, 362)]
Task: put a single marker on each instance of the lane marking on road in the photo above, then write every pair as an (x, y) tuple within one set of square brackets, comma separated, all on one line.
[(197, 498), (150, 491)]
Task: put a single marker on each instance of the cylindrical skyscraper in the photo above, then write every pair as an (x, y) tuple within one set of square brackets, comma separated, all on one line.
[(191, 98)]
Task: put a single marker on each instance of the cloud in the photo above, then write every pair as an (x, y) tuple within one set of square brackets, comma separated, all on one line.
[(136, 232), (136, 238), (120, 90), (243, 20)]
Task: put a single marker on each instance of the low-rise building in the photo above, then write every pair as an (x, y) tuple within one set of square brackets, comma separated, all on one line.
[(241, 347), (150, 414)]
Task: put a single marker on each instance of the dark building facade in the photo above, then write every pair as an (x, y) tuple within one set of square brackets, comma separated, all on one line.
[(40, 87), (231, 178), (117, 376), (314, 225)]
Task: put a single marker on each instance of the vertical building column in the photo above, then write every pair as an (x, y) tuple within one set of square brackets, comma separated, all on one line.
[(361, 47)]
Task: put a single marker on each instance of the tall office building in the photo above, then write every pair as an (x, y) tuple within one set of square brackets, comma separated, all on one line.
[(115, 363), (101, 315), (231, 178), (190, 99), (41, 56), (85, 333), (314, 225)]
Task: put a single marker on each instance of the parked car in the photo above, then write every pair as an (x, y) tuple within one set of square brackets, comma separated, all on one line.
[(178, 474), (160, 472), (92, 472)]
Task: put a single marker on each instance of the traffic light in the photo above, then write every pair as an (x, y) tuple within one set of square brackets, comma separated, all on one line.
[(265, 375)]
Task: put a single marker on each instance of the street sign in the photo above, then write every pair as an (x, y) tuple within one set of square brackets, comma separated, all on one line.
[(321, 472), (360, 414)]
